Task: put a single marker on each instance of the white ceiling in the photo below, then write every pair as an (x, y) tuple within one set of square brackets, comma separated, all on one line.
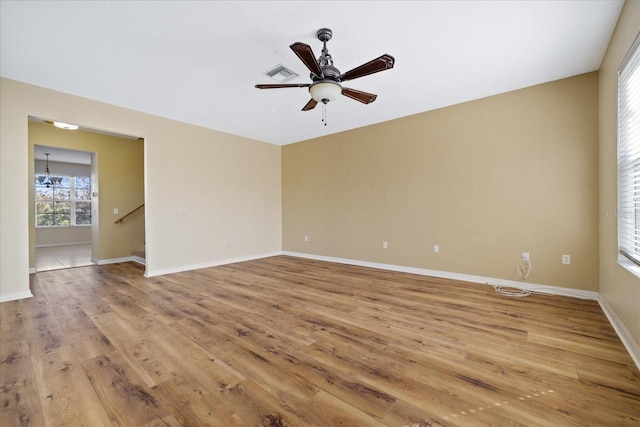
[(61, 155), (198, 61)]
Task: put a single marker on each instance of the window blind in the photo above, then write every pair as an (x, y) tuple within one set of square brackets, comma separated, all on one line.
[(629, 155)]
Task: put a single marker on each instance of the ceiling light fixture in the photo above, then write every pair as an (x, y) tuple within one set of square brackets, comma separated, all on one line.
[(66, 126), (47, 179), (325, 91)]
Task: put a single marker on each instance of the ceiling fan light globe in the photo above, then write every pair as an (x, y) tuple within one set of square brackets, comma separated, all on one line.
[(325, 91)]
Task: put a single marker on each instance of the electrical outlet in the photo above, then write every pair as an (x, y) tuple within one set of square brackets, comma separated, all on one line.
[(566, 259), (306, 238), (436, 248), (384, 245), (525, 256), (115, 211)]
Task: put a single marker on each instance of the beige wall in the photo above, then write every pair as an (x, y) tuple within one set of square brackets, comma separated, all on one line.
[(230, 185), (485, 180), (120, 185), (619, 287), (54, 236)]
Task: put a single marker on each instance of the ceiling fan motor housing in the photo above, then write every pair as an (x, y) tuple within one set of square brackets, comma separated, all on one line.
[(329, 72)]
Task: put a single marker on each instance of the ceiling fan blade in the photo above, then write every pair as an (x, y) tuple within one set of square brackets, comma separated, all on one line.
[(306, 55), (281, 85), (310, 105), (375, 65), (364, 97)]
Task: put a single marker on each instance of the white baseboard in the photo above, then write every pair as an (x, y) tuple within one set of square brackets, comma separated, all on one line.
[(111, 260), (138, 259), (62, 244), (629, 343), (163, 271), (533, 287), (15, 296)]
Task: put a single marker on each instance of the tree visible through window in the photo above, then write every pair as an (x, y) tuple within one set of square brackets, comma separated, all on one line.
[(83, 200), (65, 203), (629, 155)]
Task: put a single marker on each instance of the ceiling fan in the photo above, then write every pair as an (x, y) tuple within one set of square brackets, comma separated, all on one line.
[(326, 79)]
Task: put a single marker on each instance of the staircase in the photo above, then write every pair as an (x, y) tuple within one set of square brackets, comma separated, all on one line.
[(137, 256)]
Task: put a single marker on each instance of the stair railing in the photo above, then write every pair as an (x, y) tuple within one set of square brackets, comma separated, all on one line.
[(119, 220)]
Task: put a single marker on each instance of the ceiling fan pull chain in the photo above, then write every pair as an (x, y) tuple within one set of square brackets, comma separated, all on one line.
[(324, 113)]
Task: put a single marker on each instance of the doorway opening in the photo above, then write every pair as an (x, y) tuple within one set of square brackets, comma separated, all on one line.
[(77, 219), (63, 208)]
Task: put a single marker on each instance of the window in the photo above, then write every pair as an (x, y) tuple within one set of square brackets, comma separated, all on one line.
[(629, 155), (64, 203)]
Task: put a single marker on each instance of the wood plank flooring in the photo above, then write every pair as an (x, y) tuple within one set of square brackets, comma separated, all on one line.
[(283, 341)]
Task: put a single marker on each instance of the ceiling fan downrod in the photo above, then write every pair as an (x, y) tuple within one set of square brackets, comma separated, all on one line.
[(325, 59)]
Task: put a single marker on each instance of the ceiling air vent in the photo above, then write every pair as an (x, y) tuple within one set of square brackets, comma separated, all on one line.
[(280, 73)]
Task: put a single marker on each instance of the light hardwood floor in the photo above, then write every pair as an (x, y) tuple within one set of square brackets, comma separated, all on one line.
[(289, 342)]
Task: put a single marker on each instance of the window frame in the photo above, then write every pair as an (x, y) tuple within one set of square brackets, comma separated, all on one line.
[(628, 160), (72, 202)]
